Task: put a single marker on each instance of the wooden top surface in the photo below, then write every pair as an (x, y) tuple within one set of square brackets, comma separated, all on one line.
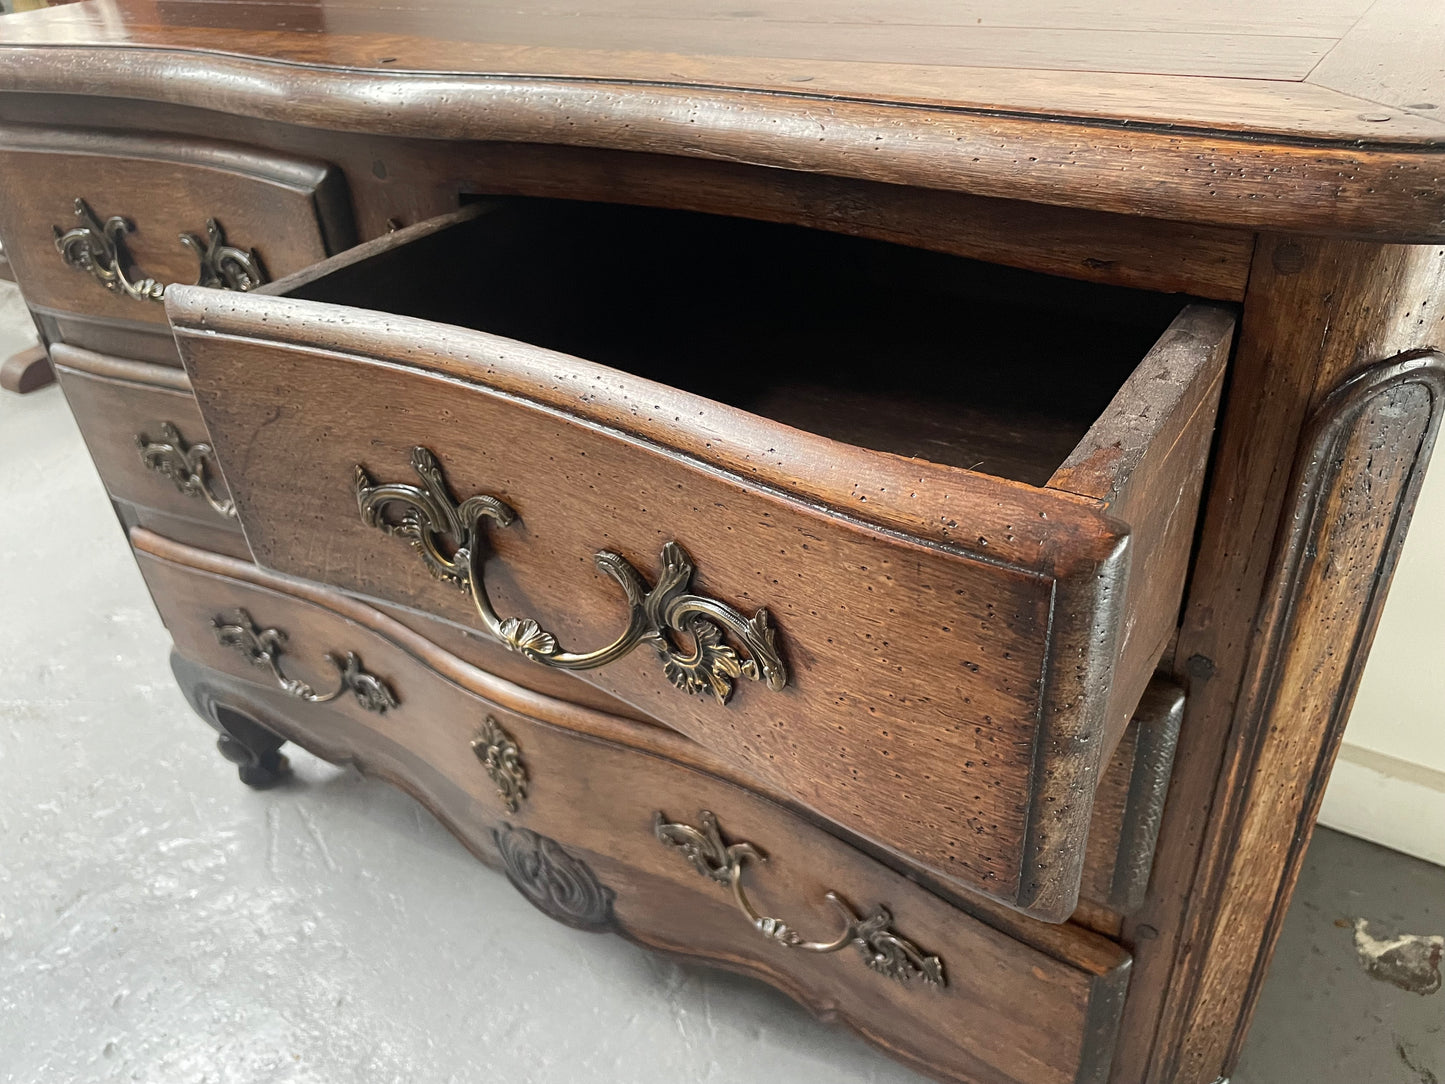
[(1252, 95)]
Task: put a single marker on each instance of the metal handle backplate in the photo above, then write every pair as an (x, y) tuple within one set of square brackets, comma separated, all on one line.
[(264, 646), (883, 950), (449, 536), (186, 465), (99, 249)]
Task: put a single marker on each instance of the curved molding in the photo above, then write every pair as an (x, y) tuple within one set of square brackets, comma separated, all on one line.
[(1352, 490), (849, 481), (1376, 191), (1319, 466), (565, 887), (576, 719)]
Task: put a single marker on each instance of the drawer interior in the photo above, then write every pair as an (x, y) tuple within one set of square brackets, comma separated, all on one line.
[(879, 345)]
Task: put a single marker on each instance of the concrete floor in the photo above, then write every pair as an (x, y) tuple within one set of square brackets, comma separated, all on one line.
[(160, 922)]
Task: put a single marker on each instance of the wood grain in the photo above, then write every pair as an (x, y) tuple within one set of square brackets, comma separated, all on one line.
[(1244, 151), (489, 655), (208, 537), (1351, 148), (115, 398), (291, 212), (309, 527), (123, 369), (852, 340), (1170, 257), (1367, 447), (135, 340), (1330, 18), (1391, 56), (860, 665), (1012, 1011), (1220, 53), (1242, 803), (1144, 459), (1180, 55)]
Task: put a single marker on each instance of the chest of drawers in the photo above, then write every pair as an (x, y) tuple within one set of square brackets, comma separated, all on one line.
[(913, 548)]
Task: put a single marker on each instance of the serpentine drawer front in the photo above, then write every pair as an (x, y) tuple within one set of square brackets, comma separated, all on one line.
[(824, 589), (96, 224), (611, 825), (145, 434)]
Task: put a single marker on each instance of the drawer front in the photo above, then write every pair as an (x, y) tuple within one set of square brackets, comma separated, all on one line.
[(562, 796), (935, 651), (157, 210), (170, 483), (146, 436)]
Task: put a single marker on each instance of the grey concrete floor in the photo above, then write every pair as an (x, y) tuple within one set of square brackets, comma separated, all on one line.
[(160, 922)]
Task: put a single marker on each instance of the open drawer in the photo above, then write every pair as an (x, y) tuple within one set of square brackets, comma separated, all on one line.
[(913, 528)]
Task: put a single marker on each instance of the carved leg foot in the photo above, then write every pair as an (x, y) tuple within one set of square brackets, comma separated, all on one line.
[(26, 371), (254, 748)]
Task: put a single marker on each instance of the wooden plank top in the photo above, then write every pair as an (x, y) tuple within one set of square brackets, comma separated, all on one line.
[(1318, 115)]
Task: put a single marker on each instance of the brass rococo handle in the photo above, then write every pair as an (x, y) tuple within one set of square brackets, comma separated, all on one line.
[(449, 536), (186, 465), (263, 647), (99, 249), (883, 950)]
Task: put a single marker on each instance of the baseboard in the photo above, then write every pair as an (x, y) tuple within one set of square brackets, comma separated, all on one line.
[(1393, 802)]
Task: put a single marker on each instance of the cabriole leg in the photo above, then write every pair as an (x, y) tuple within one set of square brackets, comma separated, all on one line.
[(254, 748)]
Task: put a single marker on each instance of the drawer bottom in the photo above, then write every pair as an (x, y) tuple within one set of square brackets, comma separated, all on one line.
[(611, 825)]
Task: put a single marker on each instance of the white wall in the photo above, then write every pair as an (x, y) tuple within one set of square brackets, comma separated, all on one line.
[(1389, 782)]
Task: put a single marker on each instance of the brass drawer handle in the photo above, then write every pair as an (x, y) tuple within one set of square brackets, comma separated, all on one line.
[(263, 647), (450, 539), (883, 950), (184, 464), (99, 249)]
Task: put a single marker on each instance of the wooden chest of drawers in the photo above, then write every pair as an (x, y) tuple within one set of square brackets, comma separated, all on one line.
[(940, 660), (832, 532)]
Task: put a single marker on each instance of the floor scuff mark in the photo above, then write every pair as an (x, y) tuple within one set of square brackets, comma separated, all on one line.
[(1422, 1074), (1409, 961)]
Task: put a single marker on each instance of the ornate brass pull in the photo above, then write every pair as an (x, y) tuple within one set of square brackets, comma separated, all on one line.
[(263, 647), (223, 266), (99, 249), (883, 950), (449, 537), (184, 464), (503, 760)]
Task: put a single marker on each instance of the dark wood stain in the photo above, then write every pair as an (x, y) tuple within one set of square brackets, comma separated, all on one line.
[(861, 614), (1281, 155), (1022, 1006)]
